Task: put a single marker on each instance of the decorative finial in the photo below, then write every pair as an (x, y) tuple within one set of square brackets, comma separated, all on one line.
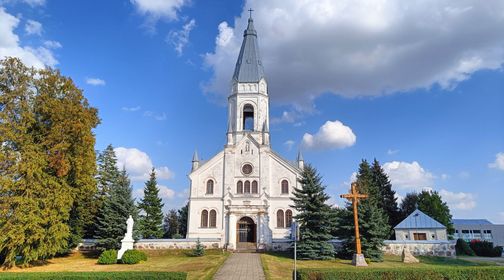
[(250, 11)]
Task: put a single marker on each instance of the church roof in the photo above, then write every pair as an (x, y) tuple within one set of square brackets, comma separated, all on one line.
[(249, 68), (418, 219)]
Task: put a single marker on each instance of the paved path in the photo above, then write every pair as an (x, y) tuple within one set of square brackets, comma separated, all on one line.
[(241, 266)]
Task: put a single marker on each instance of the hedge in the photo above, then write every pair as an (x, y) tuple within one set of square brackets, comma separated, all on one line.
[(447, 273), (123, 275), (108, 257), (133, 257)]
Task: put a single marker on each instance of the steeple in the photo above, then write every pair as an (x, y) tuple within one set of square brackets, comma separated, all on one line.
[(249, 68), (300, 160), (195, 161)]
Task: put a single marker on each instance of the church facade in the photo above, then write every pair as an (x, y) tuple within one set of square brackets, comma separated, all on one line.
[(242, 195)]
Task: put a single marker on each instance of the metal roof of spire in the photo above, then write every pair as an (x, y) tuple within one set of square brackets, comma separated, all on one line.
[(195, 156), (300, 156), (249, 68)]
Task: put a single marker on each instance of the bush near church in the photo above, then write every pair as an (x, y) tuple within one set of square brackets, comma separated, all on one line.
[(108, 257), (462, 248), (402, 273), (133, 257), (485, 249)]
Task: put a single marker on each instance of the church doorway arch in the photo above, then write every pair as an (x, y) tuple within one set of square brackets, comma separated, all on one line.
[(245, 231)]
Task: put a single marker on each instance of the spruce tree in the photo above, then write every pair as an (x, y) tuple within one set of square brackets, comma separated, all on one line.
[(387, 200), (171, 224), (182, 219), (373, 222), (315, 217), (151, 217), (117, 207)]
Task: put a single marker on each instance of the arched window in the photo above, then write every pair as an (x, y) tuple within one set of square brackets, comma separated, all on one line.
[(254, 187), (248, 117), (213, 218), (247, 187), (204, 219), (280, 219), (288, 218), (285, 186), (209, 186), (239, 187)]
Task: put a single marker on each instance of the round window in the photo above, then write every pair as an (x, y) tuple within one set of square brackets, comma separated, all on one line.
[(247, 169)]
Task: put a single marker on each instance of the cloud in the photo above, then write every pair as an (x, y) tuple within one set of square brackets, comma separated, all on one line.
[(332, 135), (156, 116), (287, 117), (362, 48), (164, 192), (33, 27), (289, 144), (458, 200), (405, 175), (35, 3), (95, 82), (392, 152), (179, 39), (131, 109), (52, 44), (139, 165), (159, 9), (38, 57), (499, 162)]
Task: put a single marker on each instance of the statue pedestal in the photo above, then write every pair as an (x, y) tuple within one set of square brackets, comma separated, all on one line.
[(126, 244), (358, 260)]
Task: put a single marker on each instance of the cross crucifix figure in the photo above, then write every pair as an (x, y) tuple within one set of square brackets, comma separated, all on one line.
[(250, 11), (354, 196)]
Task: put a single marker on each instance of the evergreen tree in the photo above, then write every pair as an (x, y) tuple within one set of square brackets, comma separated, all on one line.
[(46, 162), (373, 222), (171, 224), (151, 219), (316, 219), (387, 200), (431, 203), (182, 219), (117, 207)]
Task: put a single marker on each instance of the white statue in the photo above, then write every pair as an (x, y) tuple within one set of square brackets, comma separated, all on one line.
[(129, 228), (127, 241)]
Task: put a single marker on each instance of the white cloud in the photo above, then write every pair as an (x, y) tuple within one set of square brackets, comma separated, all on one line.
[(131, 109), (392, 152), (362, 48), (287, 117), (139, 165), (499, 162), (405, 175), (289, 144), (445, 176), (157, 9), (331, 135), (52, 44), (458, 200), (33, 27), (38, 57), (156, 116), (95, 82), (179, 39), (34, 3)]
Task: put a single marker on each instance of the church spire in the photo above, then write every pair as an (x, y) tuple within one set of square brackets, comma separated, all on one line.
[(195, 160), (249, 67)]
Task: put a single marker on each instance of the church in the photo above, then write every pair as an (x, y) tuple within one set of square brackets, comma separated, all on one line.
[(242, 195)]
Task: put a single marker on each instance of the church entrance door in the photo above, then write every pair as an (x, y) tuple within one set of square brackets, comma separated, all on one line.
[(246, 232)]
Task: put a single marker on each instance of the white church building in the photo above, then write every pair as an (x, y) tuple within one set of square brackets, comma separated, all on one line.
[(242, 196)]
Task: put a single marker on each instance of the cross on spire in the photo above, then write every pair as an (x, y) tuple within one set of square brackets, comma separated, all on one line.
[(250, 11)]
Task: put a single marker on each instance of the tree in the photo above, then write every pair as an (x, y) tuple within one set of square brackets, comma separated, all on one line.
[(171, 224), (182, 219), (117, 207), (315, 217), (431, 203), (47, 162), (373, 222), (151, 220), (387, 200)]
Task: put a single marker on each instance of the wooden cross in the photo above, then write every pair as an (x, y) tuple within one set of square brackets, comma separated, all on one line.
[(354, 196)]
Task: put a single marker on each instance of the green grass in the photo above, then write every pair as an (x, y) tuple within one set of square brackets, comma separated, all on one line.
[(158, 260), (95, 275), (280, 266)]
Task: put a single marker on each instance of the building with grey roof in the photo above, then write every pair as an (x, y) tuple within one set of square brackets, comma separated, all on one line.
[(479, 229), (419, 226)]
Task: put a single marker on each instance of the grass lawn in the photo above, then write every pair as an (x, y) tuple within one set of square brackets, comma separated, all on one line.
[(280, 266), (160, 260)]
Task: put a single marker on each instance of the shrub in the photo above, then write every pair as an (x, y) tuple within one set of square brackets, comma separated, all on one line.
[(485, 249), (177, 236), (122, 275), (403, 273), (199, 250), (108, 257), (133, 257), (463, 248)]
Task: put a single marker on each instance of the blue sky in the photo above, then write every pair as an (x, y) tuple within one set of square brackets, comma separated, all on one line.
[(417, 86)]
